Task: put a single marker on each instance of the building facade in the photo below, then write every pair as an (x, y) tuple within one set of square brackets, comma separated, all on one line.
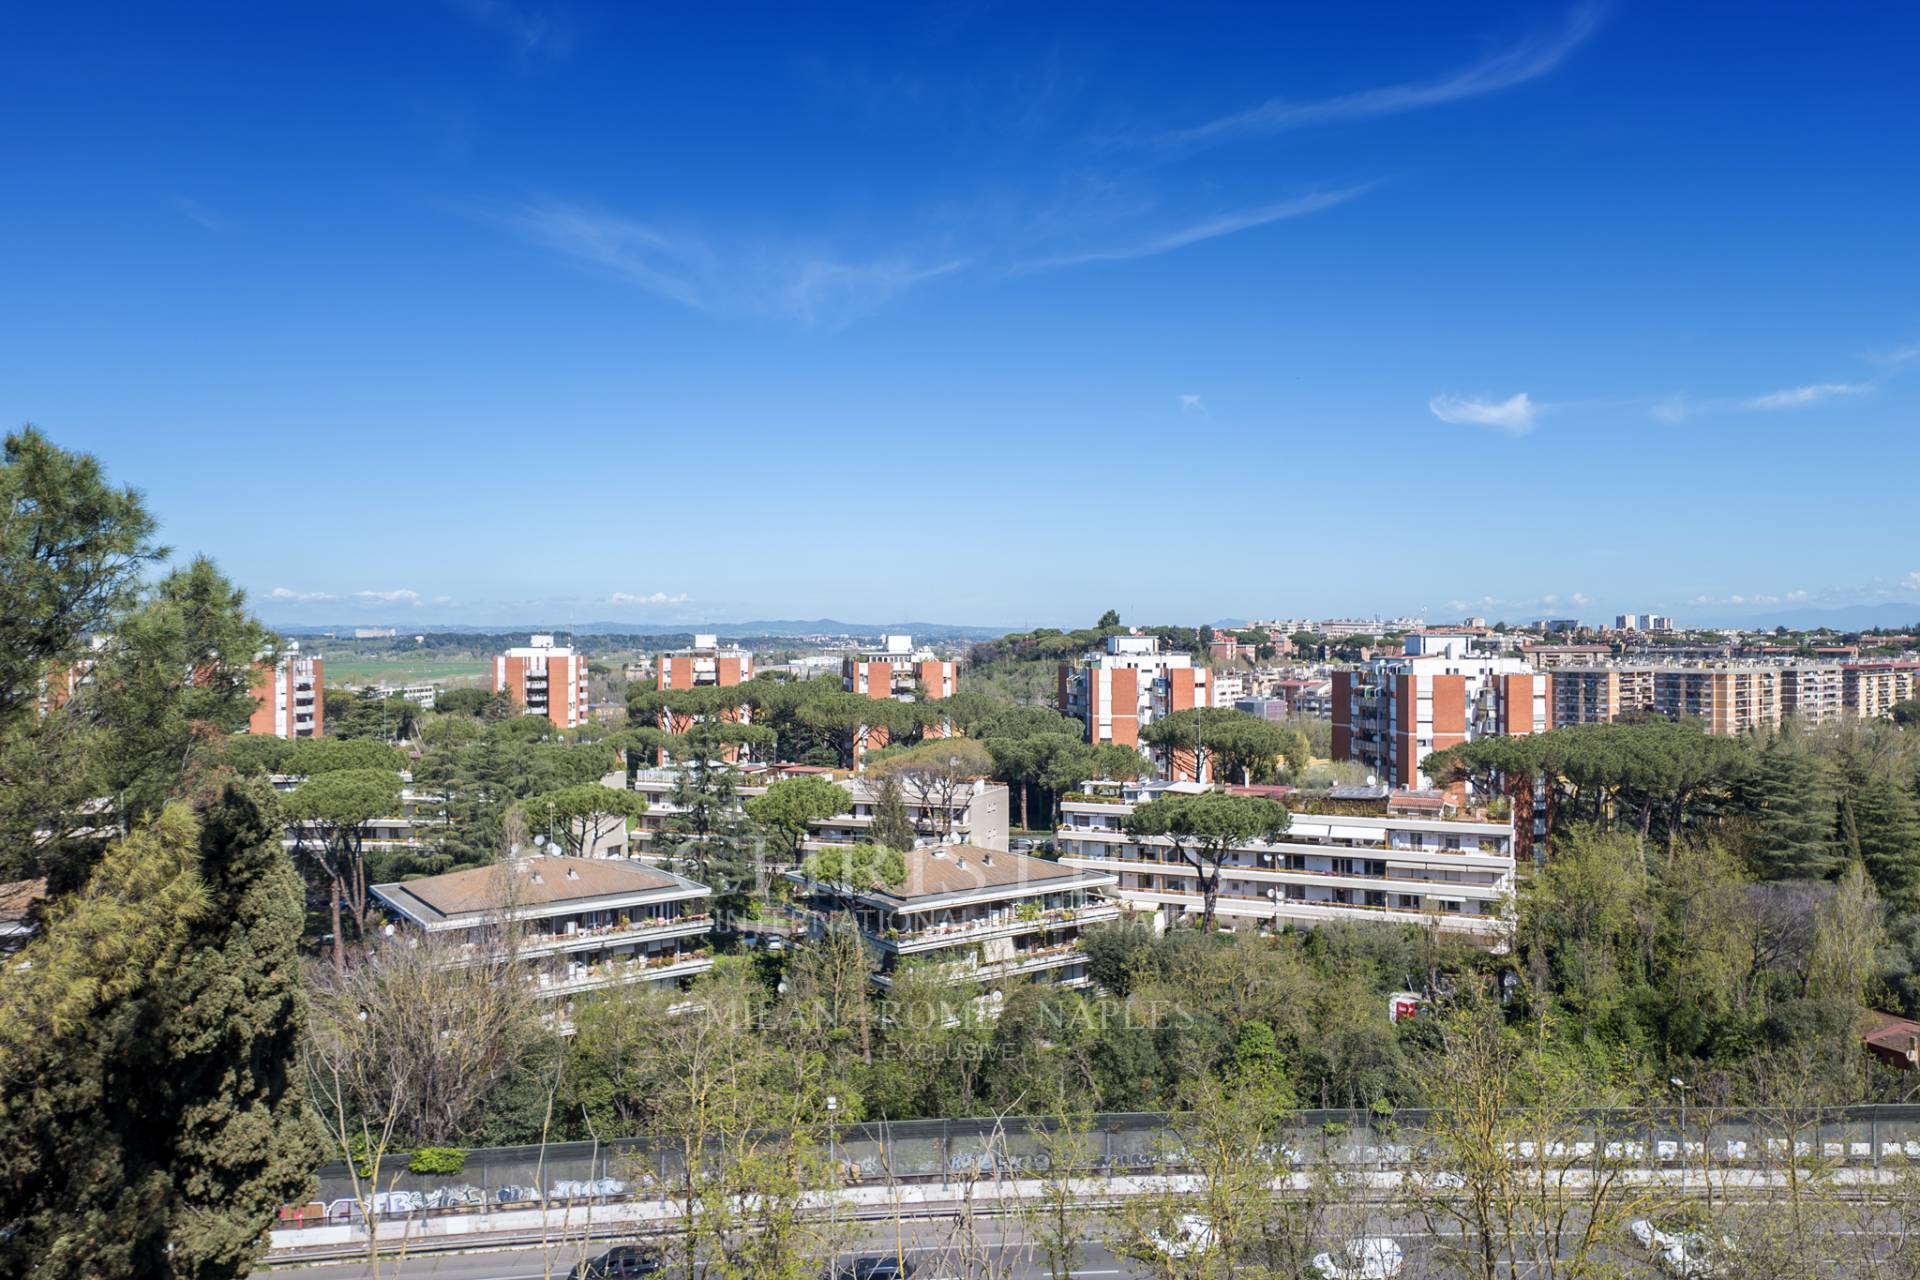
[(545, 678), (1407, 863), (1870, 689), (974, 813), (1394, 712), (1120, 691), (582, 924), (981, 915), (897, 671), (289, 698)]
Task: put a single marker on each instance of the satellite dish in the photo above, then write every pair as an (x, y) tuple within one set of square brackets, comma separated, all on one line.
[(1372, 781), (541, 840)]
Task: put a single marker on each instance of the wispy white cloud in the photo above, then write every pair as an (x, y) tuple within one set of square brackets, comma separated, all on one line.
[(1895, 355), (1515, 414), (196, 212), (1529, 59), (402, 595), (1193, 404), (1799, 397), (1680, 408), (1207, 229), (541, 30), (656, 597), (810, 287)]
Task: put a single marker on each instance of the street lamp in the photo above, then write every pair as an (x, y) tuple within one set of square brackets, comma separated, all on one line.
[(1681, 1086)]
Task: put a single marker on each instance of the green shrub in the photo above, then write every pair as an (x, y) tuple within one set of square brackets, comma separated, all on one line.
[(438, 1160)]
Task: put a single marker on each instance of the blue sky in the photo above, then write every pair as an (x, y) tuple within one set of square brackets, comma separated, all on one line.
[(507, 311)]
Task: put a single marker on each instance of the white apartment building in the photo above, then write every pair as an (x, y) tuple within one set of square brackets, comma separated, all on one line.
[(1120, 691), (983, 915), (584, 924), (545, 678), (1407, 864), (974, 814), (1394, 712)]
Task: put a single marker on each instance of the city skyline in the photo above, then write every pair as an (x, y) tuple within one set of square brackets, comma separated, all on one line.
[(508, 313)]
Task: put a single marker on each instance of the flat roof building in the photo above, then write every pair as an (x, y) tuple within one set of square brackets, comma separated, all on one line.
[(289, 698), (545, 678), (982, 915), (582, 923), (1391, 714), (1407, 863), (1120, 691), (896, 670)]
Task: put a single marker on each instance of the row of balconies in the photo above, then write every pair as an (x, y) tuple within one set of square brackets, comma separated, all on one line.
[(948, 933), (665, 966)]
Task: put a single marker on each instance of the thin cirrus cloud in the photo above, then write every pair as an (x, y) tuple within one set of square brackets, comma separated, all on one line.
[(803, 283), (535, 29), (811, 288), (402, 595), (1515, 415), (1208, 229), (656, 597), (1528, 60), (1680, 408)]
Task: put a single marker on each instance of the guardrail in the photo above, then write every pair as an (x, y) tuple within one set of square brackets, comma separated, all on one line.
[(1126, 1143)]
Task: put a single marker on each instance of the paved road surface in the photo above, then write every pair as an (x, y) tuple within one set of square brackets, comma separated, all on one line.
[(925, 1243)]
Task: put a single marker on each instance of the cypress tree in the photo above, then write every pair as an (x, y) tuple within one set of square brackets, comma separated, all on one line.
[(151, 1114), (239, 1141), (1880, 823), (1789, 802)]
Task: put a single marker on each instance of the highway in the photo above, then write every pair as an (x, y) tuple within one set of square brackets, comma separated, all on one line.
[(928, 1246)]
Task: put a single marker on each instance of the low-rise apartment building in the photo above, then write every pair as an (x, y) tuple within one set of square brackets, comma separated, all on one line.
[(289, 698), (545, 678), (974, 813), (983, 915), (1406, 863), (1391, 714), (581, 924)]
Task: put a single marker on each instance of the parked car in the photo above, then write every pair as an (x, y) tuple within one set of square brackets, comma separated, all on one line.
[(620, 1261), (872, 1266), (1367, 1258)]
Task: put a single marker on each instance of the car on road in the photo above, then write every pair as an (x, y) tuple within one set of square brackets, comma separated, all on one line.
[(1684, 1251), (1367, 1258), (1189, 1236), (872, 1266), (621, 1261)]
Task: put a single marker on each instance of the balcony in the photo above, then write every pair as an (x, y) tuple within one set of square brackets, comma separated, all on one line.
[(937, 936), (661, 968), (608, 935)]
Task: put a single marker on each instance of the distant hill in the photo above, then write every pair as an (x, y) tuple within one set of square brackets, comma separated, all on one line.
[(1849, 617), (732, 630)]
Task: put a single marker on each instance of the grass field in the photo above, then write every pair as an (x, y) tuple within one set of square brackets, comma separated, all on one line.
[(402, 670)]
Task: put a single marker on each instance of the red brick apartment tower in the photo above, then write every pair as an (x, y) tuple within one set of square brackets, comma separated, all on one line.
[(706, 665), (897, 671), (546, 679), (1393, 713), (289, 699)]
